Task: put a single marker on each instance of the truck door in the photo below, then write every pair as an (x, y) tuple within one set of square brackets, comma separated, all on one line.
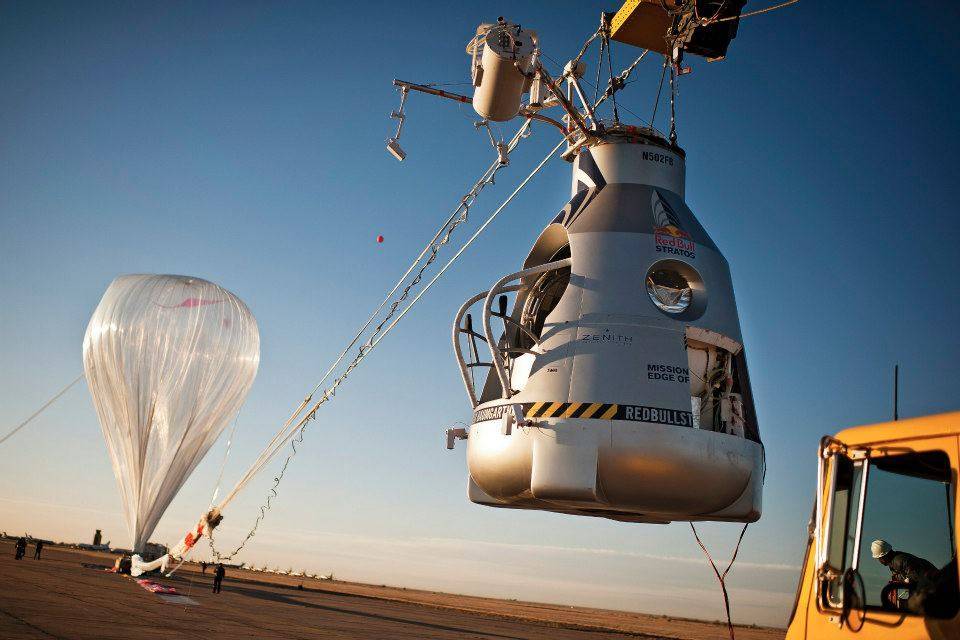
[(885, 548)]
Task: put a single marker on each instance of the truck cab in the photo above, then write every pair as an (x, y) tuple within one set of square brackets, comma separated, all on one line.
[(893, 482)]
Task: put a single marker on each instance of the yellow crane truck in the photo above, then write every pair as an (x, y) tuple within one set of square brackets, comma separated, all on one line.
[(881, 558)]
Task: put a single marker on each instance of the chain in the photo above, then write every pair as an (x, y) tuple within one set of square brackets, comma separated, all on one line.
[(465, 203)]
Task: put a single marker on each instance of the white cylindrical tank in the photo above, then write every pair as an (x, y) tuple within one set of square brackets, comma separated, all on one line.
[(626, 358), (503, 56)]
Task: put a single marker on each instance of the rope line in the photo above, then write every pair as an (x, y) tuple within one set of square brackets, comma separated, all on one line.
[(296, 434), (673, 108), (480, 230), (286, 431), (614, 80), (757, 12), (293, 429), (721, 577), (226, 456), (656, 102), (41, 409), (583, 49)]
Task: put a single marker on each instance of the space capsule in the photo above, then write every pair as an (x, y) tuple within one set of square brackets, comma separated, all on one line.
[(616, 383)]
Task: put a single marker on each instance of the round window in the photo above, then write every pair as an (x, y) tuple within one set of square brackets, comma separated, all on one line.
[(676, 289), (669, 290)]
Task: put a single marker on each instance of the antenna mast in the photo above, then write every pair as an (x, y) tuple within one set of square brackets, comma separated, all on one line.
[(896, 392)]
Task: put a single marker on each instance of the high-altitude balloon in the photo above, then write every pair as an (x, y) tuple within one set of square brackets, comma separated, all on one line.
[(169, 361)]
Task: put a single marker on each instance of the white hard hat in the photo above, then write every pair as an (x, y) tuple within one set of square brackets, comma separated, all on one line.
[(880, 548)]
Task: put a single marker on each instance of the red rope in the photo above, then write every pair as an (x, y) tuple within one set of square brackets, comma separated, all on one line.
[(722, 577)]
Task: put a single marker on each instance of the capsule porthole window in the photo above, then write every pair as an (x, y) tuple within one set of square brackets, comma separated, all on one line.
[(676, 289)]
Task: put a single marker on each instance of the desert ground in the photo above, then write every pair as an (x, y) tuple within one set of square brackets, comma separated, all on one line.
[(68, 594)]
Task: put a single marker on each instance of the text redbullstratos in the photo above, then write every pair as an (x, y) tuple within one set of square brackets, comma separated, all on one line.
[(673, 245)]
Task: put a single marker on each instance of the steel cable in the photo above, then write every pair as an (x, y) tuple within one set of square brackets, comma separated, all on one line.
[(295, 435)]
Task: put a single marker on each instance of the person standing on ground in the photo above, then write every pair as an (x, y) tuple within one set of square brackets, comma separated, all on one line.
[(218, 578), (37, 550), (203, 568), (21, 547)]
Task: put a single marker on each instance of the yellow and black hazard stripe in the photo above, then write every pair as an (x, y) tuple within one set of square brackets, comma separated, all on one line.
[(590, 410), (596, 410)]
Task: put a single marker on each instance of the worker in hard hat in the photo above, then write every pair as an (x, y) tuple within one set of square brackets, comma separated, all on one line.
[(921, 575)]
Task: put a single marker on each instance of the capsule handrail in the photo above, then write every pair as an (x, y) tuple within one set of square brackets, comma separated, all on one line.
[(496, 290), (461, 363), (520, 327)]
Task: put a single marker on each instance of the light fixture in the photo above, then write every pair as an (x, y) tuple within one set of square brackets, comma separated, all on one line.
[(394, 148)]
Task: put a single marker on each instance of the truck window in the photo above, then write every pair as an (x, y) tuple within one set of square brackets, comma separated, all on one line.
[(843, 526), (906, 552), (908, 506)]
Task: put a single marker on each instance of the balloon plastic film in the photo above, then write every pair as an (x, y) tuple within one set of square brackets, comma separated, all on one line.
[(169, 361)]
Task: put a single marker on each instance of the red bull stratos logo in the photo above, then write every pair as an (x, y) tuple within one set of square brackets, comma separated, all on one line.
[(668, 235)]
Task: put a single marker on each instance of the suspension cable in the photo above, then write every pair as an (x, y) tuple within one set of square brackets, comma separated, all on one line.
[(295, 434), (41, 409), (586, 45), (458, 216), (478, 232), (656, 102), (673, 110), (293, 428), (757, 12), (613, 80), (226, 456), (596, 87)]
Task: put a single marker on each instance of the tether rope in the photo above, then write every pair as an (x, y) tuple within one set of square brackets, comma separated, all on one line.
[(41, 409), (292, 429), (286, 431), (295, 435), (757, 12), (721, 577)]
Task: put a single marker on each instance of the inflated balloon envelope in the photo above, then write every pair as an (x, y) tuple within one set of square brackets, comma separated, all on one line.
[(169, 361)]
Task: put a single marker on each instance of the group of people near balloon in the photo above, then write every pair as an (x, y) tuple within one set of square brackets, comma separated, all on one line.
[(20, 548)]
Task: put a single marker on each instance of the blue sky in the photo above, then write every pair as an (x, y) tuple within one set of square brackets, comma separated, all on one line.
[(243, 143)]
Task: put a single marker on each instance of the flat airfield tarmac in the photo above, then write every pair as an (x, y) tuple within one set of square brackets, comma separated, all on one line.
[(64, 595)]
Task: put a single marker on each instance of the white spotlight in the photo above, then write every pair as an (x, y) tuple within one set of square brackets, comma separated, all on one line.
[(394, 148)]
